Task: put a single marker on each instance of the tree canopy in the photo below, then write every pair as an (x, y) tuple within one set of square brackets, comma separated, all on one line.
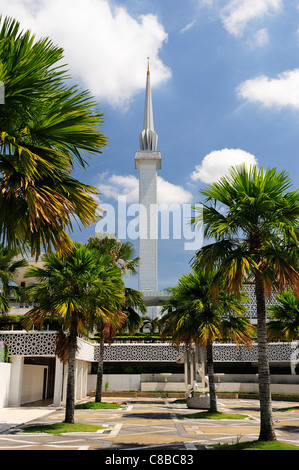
[(47, 126)]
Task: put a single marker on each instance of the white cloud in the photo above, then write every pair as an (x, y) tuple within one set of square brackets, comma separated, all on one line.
[(188, 26), (238, 13), (105, 47), (128, 186), (281, 91), (218, 163), (120, 186), (262, 38), (168, 193)]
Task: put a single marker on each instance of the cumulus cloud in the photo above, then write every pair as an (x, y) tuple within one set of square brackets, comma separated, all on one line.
[(105, 47), (238, 13), (169, 193), (128, 186), (279, 92), (118, 185), (218, 163)]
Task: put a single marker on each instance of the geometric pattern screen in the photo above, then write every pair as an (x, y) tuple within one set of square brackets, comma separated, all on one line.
[(43, 344)]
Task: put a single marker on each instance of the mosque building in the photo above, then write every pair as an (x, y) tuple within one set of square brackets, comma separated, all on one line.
[(34, 372)]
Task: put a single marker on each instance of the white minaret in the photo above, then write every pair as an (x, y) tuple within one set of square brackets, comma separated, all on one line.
[(148, 161)]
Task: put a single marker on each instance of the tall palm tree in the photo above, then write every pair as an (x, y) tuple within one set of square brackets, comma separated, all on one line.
[(121, 255), (106, 326), (133, 308), (284, 317), (125, 316), (192, 315), (252, 216), (46, 126), (79, 289), (9, 266)]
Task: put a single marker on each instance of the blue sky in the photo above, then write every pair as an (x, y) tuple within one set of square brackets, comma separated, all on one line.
[(225, 87)]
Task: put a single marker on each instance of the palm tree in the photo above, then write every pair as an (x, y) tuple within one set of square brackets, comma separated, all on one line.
[(46, 125), (192, 315), (125, 316), (121, 255), (106, 326), (284, 315), (9, 266), (134, 307), (79, 289), (154, 324), (252, 216)]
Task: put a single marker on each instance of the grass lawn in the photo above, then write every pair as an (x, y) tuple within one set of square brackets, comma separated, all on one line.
[(59, 428), (91, 405), (257, 445), (292, 408), (212, 415)]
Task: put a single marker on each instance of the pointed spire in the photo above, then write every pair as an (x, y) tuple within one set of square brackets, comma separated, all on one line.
[(148, 138)]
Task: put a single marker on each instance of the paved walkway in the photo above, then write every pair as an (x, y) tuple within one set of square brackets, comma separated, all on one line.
[(144, 423)]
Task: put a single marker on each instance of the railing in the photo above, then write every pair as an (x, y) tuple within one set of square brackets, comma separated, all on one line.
[(156, 293)]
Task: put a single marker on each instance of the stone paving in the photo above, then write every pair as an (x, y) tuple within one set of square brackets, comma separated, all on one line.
[(154, 424)]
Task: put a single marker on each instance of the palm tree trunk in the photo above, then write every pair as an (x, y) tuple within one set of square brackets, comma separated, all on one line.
[(212, 388), (267, 432), (98, 397), (70, 393)]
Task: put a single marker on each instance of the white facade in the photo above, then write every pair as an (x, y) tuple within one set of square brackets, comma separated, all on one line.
[(22, 382), (25, 382)]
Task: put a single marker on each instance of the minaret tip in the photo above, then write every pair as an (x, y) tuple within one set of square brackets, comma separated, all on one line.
[(148, 137)]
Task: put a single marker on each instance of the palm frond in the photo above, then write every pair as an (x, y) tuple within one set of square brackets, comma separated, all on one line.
[(46, 126)]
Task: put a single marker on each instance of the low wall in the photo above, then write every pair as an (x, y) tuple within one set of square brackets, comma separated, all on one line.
[(247, 383), (224, 378), (116, 382), (253, 388), (252, 378), (163, 386), (5, 371)]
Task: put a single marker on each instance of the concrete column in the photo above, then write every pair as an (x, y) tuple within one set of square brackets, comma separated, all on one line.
[(64, 383), (76, 380), (79, 380), (58, 384), (85, 378), (16, 381)]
